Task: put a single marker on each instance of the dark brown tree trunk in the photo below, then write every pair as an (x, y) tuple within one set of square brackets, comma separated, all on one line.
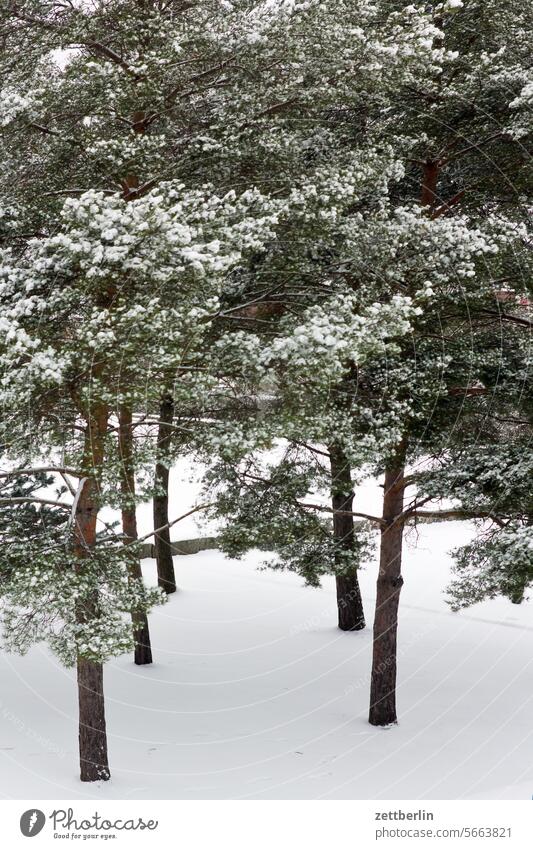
[(166, 577), (141, 632), (349, 601), (430, 178), (389, 585), (94, 765), (390, 580)]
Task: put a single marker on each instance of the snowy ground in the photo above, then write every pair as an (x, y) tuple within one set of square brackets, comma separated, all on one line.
[(256, 694)]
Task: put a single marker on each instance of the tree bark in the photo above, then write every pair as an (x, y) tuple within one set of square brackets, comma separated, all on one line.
[(390, 580), (141, 632), (94, 764), (431, 171), (389, 585), (166, 577), (351, 615)]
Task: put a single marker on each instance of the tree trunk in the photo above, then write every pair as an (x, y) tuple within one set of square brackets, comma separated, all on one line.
[(166, 577), (94, 765), (390, 580), (389, 585), (141, 632), (349, 601)]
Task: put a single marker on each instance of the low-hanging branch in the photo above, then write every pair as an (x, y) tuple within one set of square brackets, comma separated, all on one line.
[(451, 515), (28, 500), (174, 522), (60, 470), (376, 519), (412, 515)]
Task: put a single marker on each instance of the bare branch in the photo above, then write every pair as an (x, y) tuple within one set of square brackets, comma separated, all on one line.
[(49, 502), (105, 51), (174, 522), (515, 319), (43, 129), (447, 205), (133, 193), (450, 515), (375, 519), (177, 90), (61, 470), (475, 146), (76, 192), (311, 448), (68, 484)]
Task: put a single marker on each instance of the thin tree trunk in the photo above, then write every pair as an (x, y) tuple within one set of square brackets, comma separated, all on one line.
[(389, 585), (166, 577), (349, 601), (94, 764), (141, 632), (390, 580)]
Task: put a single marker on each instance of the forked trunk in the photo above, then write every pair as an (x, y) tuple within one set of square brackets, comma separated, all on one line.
[(141, 632), (166, 577), (389, 585), (94, 764), (349, 601)]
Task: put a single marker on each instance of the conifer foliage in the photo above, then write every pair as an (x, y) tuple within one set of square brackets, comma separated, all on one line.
[(288, 240)]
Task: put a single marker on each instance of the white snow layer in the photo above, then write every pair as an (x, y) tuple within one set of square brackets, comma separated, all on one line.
[(256, 694)]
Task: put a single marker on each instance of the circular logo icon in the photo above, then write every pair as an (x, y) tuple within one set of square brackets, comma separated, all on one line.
[(32, 822)]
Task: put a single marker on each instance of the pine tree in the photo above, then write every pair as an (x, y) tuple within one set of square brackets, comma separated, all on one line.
[(117, 267)]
